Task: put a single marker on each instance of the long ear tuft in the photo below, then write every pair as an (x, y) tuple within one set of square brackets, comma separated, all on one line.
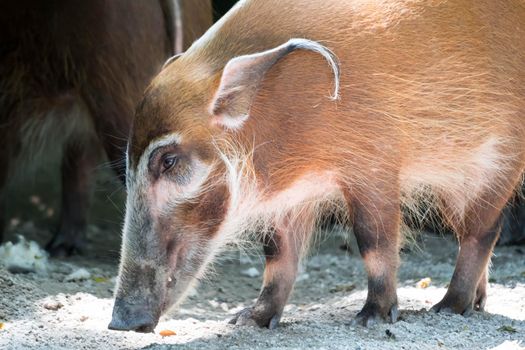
[(242, 77)]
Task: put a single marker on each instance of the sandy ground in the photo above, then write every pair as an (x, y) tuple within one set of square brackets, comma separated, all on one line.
[(45, 312)]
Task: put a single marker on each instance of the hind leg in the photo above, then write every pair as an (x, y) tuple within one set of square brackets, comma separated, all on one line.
[(282, 251), (78, 164), (468, 288), (376, 224), (478, 234)]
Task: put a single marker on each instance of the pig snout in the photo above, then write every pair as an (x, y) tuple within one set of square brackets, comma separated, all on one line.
[(133, 317), (138, 301)]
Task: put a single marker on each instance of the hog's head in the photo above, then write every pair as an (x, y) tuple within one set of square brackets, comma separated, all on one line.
[(179, 196)]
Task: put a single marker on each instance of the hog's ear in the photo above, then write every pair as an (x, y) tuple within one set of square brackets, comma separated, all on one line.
[(243, 75)]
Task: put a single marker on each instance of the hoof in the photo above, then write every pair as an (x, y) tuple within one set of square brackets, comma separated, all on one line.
[(453, 305), (63, 246), (250, 317), (372, 314)]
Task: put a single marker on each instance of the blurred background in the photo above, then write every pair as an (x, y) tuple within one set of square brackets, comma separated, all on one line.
[(32, 190)]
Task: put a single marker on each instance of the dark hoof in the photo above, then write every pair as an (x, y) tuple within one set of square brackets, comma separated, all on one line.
[(372, 314), (454, 305), (250, 317), (460, 302), (62, 246)]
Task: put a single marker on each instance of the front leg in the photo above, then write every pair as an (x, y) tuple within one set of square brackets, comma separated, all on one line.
[(78, 165), (376, 224), (282, 251)]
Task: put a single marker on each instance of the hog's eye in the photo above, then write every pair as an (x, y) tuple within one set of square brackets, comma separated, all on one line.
[(168, 162)]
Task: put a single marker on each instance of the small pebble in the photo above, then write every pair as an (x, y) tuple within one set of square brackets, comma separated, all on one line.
[(53, 305), (251, 272), (390, 335), (78, 275)]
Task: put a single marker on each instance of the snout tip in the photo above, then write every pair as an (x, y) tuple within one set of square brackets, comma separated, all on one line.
[(141, 325), (133, 315)]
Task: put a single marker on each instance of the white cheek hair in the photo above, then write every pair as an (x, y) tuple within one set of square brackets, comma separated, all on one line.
[(251, 210), (142, 168), (167, 194)]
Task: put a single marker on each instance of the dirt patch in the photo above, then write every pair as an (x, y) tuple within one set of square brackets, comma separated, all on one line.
[(329, 292)]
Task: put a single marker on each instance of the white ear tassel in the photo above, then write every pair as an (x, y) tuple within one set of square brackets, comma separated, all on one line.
[(242, 75), (328, 55)]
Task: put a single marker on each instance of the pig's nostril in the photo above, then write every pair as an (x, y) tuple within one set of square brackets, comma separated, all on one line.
[(145, 326)]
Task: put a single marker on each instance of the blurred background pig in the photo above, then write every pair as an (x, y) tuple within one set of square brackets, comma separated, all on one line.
[(71, 73)]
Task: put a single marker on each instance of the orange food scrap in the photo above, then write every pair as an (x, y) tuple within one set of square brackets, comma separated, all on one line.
[(424, 283), (167, 333), (1, 325)]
